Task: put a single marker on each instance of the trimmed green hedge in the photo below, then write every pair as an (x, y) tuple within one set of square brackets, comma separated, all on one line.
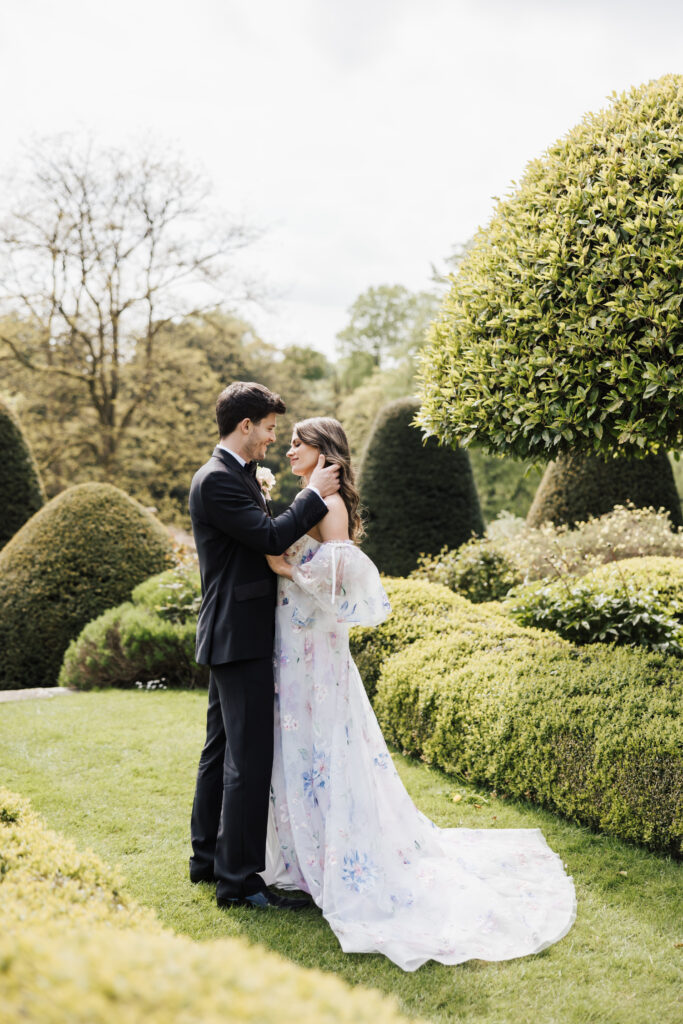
[(593, 733), (83, 552), (21, 489), (74, 947), (418, 609), (416, 497)]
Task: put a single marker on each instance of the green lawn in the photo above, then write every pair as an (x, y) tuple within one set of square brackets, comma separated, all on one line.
[(115, 771)]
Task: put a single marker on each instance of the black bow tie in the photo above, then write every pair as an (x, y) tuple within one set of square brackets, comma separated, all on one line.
[(250, 468)]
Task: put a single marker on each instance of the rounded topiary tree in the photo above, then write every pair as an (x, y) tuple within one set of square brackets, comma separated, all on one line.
[(416, 497), (83, 552), (573, 487), (21, 489), (562, 332)]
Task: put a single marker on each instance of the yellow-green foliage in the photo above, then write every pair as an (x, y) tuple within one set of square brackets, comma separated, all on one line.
[(81, 553), (665, 575), (594, 733), (562, 330), (74, 948), (418, 609)]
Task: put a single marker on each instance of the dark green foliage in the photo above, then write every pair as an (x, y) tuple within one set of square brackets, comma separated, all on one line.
[(416, 497), (418, 609), (477, 570), (130, 645), (562, 330), (583, 613), (21, 490), (595, 734), (503, 484), (83, 552), (576, 487)]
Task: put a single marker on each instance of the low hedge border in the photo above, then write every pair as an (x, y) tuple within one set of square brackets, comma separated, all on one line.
[(74, 948), (593, 733)]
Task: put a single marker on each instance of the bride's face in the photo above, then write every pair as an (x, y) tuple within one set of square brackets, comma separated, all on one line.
[(302, 457)]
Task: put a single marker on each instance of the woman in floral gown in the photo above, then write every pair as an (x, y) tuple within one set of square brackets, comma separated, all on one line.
[(342, 826)]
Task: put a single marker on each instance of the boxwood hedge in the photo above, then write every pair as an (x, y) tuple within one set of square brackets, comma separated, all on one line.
[(81, 553), (74, 947), (593, 733), (21, 489)]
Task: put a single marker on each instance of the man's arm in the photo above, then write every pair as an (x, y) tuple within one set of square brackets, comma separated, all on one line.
[(230, 508)]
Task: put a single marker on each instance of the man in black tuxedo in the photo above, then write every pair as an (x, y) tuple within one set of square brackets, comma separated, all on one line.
[(235, 630)]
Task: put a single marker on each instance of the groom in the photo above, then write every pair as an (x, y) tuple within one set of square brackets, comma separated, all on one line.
[(233, 532)]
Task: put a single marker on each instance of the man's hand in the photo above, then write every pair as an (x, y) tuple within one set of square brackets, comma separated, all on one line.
[(280, 565), (325, 478)]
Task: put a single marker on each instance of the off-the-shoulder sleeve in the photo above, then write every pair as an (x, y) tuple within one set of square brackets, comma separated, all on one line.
[(341, 583)]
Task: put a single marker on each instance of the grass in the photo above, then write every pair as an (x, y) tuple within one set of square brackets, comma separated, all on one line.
[(115, 771)]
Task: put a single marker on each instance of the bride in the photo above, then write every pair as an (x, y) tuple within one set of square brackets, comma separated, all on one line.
[(342, 826)]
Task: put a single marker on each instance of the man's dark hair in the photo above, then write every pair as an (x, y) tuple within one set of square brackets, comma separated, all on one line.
[(245, 400)]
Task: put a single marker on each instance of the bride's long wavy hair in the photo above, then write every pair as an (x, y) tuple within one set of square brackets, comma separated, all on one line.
[(329, 436)]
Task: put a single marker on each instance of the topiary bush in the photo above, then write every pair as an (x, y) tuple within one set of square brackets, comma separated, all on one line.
[(562, 330), (418, 609), (593, 733), (574, 488), (175, 594), (83, 552), (416, 497), (74, 947), (477, 570), (21, 489)]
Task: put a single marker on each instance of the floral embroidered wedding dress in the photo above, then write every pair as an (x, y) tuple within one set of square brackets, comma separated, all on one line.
[(343, 828)]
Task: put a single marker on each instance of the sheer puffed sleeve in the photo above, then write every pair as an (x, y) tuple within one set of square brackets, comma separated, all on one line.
[(339, 583)]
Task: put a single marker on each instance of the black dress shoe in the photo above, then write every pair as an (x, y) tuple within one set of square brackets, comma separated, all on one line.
[(202, 876), (264, 900)]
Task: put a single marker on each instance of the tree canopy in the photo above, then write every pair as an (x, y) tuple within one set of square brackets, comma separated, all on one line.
[(562, 330)]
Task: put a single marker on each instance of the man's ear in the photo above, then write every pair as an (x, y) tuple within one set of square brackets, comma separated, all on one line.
[(245, 425)]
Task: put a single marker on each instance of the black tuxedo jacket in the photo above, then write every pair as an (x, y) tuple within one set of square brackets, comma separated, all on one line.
[(233, 532)]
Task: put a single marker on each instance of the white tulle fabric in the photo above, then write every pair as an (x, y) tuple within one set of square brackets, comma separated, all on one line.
[(343, 828)]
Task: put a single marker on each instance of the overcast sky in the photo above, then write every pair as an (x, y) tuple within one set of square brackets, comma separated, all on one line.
[(366, 136)]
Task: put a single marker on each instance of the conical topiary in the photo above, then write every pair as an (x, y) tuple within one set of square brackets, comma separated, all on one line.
[(81, 553), (416, 497), (576, 487), (21, 490)]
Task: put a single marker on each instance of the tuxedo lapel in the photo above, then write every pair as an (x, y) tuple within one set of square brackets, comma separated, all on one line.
[(249, 481)]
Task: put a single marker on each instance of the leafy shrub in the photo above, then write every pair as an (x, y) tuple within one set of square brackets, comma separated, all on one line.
[(21, 490), (593, 733), (663, 575), (83, 552), (175, 594), (416, 497), (418, 609), (477, 570), (575, 487), (128, 645), (583, 613), (75, 948), (562, 330)]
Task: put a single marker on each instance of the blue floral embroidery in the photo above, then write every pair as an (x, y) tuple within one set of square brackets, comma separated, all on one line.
[(307, 557), (359, 872), (318, 777), (382, 760)]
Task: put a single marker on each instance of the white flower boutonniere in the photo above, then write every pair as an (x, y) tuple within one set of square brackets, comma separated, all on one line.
[(265, 480)]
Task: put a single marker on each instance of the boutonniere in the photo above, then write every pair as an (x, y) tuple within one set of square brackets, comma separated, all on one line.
[(266, 481)]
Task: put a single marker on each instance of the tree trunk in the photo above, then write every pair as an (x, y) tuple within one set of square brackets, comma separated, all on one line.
[(575, 487)]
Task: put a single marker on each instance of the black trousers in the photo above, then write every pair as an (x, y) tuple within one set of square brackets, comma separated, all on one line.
[(230, 809)]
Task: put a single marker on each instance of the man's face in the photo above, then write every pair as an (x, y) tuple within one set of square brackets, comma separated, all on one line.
[(261, 436)]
